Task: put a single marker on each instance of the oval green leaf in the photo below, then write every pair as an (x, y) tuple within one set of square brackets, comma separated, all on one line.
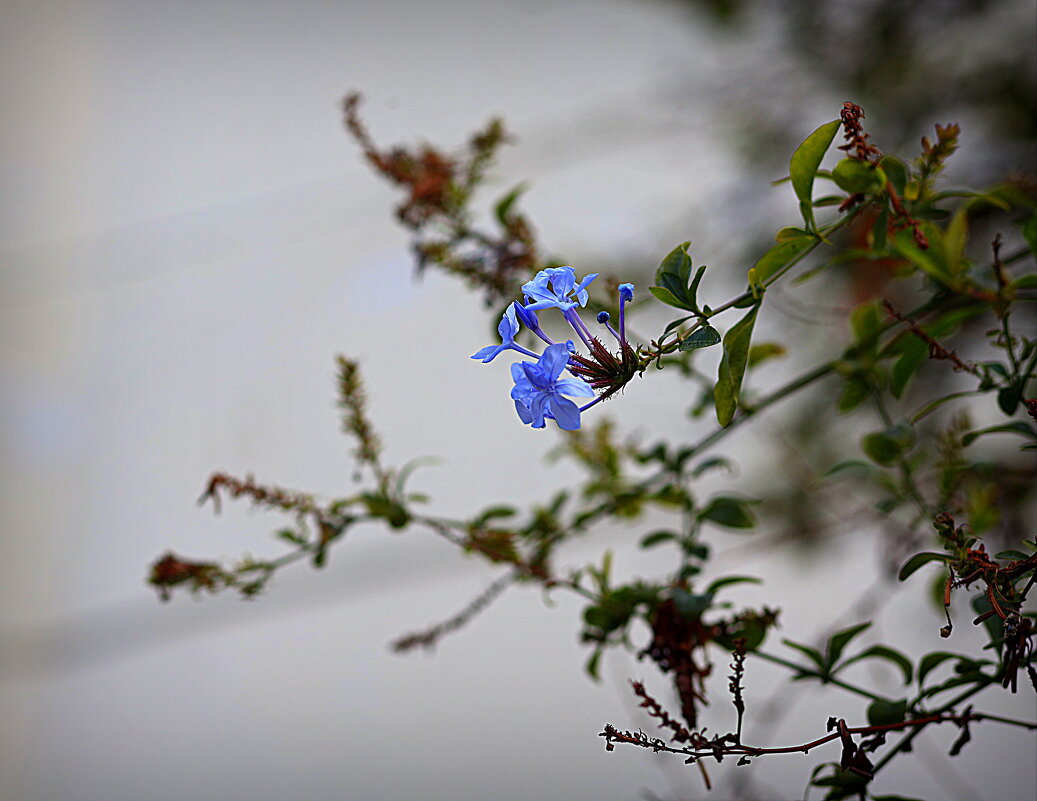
[(804, 164), (703, 337)]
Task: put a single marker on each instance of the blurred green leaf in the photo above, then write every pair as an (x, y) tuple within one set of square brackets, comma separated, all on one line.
[(887, 654), (502, 211), (920, 559), (804, 164), (782, 253), (657, 538), (765, 351), (726, 581), (883, 713), (730, 512), (858, 177), (1019, 427), (732, 367), (838, 641)]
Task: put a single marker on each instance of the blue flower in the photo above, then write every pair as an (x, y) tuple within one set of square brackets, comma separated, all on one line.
[(553, 287), (507, 329), (626, 293), (538, 390)]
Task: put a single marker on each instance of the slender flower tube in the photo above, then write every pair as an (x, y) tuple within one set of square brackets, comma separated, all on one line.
[(626, 294)]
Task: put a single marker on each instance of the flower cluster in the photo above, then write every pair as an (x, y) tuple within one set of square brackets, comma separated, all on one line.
[(539, 391)]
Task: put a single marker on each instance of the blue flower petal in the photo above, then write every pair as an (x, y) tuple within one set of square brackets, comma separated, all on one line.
[(626, 292), (523, 412), (554, 359), (575, 387), (566, 413)]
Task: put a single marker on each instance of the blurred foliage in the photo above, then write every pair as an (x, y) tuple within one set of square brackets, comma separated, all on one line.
[(911, 414)]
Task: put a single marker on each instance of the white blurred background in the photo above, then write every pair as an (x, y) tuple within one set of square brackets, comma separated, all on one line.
[(188, 238)]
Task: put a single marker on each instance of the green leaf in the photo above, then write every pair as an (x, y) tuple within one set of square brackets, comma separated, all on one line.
[(866, 322), (913, 353), (896, 172), (667, 297), (894, 798), (930, 662), (732, 367), (931, 261), (728, 580), (859, 177), (730, 512), (657, 538), (883, 713), (1008, 398), (593, 663), (783, 253), (885, 447), (888, 654), (765, 351), (838, 641), (1011, 555), (855, 390), (703, 337), (1028, 281), (1030, 233), (811, 653), (920, 559), (676, 263), (712, 463), (1017, 427), (690, 605), (804, 164), (674, 324), (503, 208)]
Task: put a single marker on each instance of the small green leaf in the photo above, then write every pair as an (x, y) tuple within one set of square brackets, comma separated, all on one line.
[(594, 663), (732, 367), (667, 297), (713, 463), (888, 654), (804, 164), (866, 322), (765, 351), (885, 447), (1030, 233), (657, 538), (811, 653), (855, 390), (840, 640), (1017, 427), (883, 713), (503, 208), (730, 512), (1009, 397), (930, 662), (728, 580), (690, 605), (896, 172), (920, 559), (674, 324), (783, 253), (859, 177), (703, 337), (677, 263), (913, 353)]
